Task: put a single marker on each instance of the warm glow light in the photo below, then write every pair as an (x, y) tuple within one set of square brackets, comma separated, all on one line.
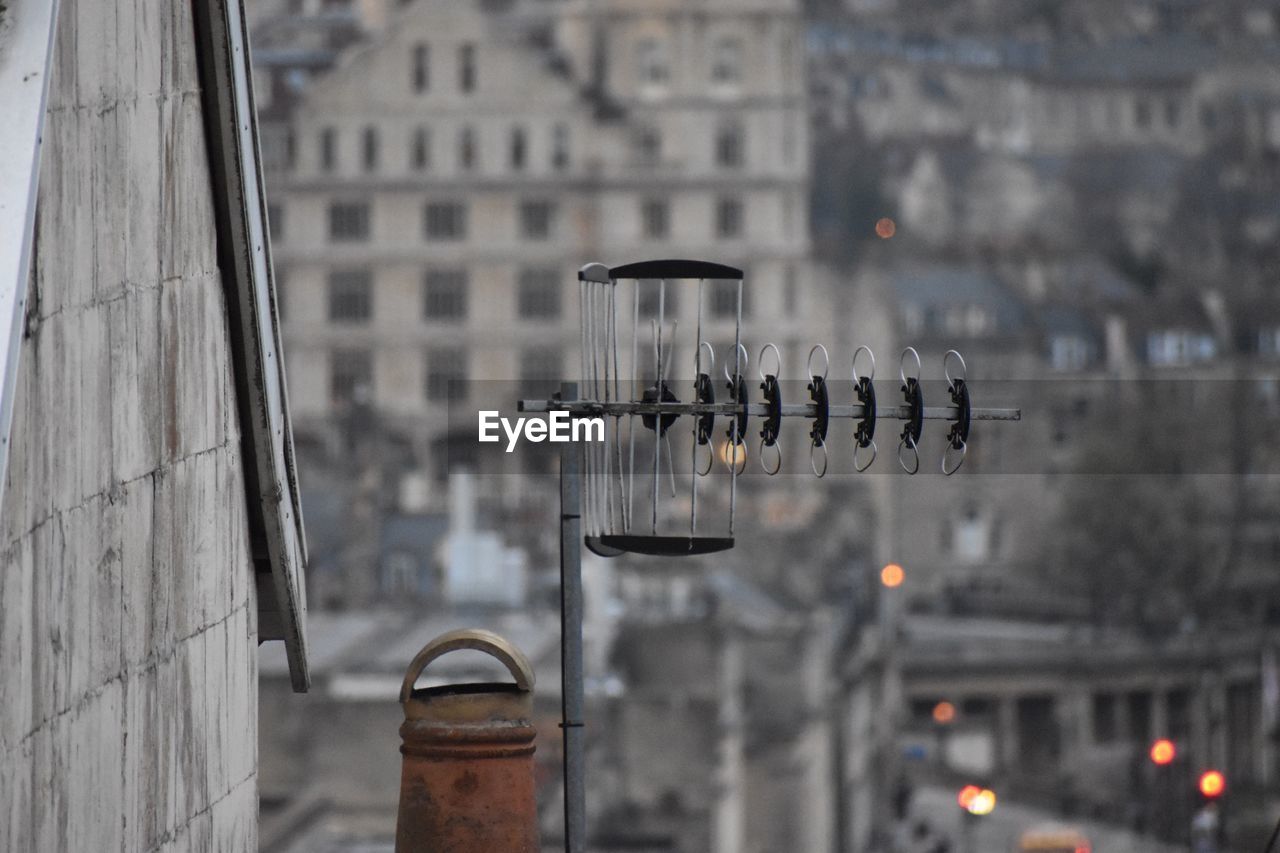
[(983, 803), (886, 228), (1163, 751), (1212, 783), (944, 712), (892, 575), (975, 800), (733, 454)]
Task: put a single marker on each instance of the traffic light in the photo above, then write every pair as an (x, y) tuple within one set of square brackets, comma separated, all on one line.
[(1212, 784), (1163, 752)]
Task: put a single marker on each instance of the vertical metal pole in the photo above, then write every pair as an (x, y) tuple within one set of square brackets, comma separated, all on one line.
[(575, 814)]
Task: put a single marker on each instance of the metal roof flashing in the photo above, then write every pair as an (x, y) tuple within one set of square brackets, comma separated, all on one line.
[(244, 257), (26, 51)]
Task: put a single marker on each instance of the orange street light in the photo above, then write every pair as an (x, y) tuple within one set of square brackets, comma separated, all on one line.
[(944, 712), (982, 803), (1212, 783), (892, 575), (966, 796), (1163, 752), (886, 228)]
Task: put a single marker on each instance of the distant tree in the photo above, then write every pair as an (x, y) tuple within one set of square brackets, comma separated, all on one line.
[(1132, 532)]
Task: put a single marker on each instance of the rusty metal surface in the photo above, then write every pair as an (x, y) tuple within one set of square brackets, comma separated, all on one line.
[(467, 775)]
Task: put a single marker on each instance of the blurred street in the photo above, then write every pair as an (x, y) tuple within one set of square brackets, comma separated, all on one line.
[(999, 831)]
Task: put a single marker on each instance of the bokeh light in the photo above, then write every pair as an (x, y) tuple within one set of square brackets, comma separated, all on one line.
[(1212, 783), (1163, 751)]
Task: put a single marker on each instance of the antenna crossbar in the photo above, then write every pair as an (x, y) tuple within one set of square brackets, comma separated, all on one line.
[(595, 408)]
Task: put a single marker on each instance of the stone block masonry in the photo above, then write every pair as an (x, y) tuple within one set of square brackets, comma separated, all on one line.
[(128, 627)]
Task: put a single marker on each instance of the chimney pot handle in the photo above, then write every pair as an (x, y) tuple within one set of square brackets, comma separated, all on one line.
[(470, 638)]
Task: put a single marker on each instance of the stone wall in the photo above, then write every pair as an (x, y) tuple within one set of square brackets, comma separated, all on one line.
[(128, 665)]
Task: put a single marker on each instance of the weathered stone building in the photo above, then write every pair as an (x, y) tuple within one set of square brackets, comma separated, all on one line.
[(434, 194), (150, 537)]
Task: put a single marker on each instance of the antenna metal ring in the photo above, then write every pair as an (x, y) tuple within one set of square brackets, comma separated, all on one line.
[(871, 355), (808, 365), (902, 364)]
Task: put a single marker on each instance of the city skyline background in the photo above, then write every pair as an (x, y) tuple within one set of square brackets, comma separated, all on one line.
[(1079, 197)]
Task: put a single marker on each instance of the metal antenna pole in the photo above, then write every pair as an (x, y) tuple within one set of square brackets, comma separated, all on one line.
[(571, 701)]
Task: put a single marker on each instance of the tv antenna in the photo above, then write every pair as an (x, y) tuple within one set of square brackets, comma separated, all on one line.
[(629, 341)]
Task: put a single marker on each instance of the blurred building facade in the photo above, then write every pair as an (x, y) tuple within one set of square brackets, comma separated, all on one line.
[(1082, 209), (1042, 173), (435, 192)]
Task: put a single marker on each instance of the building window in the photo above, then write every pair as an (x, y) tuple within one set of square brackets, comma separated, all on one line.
[(1142, 113), (444, 295), (538, 294), (275, 221), (467, 68), (1172, 113), (369, 148), (560, 147), (541, 366), (348, 221), (519, 149), (655, 215), (350, 376), (1138, 703), (1269, 341), (971, 538), (1106, 728), (421, 68), (445, 220), (446, 374), (729, 146), (726, 61), (350, 296), (420, 155), (277, 147), (724, 299), (537, 219), (400, 574), (728, 218), (1178, 724), (651, 62), (1177, 347), (1069, 352), (328, 149), (972, 320), (467, 149), (647, 144), (790, 291)]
